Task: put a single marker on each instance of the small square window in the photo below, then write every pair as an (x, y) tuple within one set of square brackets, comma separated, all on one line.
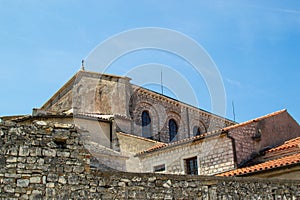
[(191, 166), (159, 168)]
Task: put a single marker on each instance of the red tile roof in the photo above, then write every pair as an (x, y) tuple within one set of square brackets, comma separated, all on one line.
[(254, 120), (287, 145), (213, 133), (286, 160), (183, 141), (271, 164)]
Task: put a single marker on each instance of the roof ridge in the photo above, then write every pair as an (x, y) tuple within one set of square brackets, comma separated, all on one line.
[(198, 137), (211, 133), (255, 119), (286, 145), (270, 164), (139, 137), (292, 140)]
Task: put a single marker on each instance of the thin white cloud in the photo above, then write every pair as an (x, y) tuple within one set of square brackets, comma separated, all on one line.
[(234, 82), (288, 11), (282, 10)]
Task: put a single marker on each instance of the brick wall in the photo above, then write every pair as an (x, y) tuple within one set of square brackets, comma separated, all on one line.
[(49, 161)]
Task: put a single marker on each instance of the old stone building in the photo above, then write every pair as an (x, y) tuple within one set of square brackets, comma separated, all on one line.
[(133, 129), (136, 110)]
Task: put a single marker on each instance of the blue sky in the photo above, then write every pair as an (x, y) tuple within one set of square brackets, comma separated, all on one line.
[(254, 44)]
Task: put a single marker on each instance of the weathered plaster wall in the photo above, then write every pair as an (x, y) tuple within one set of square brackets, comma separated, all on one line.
[(99, 132), (267, 132), (129, 146), (49, 161)]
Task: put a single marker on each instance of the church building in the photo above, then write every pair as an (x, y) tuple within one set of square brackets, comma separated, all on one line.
[(130, 128)]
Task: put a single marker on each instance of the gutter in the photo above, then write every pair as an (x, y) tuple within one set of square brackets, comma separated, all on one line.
[(110, 132)]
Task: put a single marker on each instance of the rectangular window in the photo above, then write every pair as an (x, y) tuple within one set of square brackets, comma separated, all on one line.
[(191, 166), (159, 168)]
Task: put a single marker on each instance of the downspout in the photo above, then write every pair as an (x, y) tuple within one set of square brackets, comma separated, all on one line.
[(110, 132), (233, 148)]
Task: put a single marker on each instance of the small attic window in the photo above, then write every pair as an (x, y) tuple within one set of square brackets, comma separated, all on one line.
[(196, 131), (159, 168)]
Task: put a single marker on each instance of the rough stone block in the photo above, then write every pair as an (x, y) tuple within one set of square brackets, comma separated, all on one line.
[(78, 169), (62, 180), (63, 154), (41, 123), (49, 152), (24, 151), (22, 182), (9, 189), (50, 192), (12, 151), (50, 185), (73, 179), (35, 179), (11, 159), (36, 194), (31, 160), (52, 177)]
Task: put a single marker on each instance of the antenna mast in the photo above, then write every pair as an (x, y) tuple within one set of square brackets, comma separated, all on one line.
[(82, 65), (161, 83), (233, 111)]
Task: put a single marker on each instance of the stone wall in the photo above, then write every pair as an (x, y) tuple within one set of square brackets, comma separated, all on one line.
[(214, 155), (49, 161)]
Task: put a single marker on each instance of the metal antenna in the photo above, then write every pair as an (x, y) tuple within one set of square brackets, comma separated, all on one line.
[(161, 82), (233, 111), (82, 64)]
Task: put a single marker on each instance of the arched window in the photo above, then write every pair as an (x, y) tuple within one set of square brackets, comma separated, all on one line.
[(173, 128), (146, 124), (196, 131)]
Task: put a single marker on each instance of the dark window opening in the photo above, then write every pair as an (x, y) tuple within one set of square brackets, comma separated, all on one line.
[(60, 143), (159, 168), (191, 166), (196, 131), (173, 128), (146, 124)]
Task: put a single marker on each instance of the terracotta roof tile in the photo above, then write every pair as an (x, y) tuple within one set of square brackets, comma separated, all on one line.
[(254, 120), (270, 164), (186, 140), (213, 133), (287, 145), (281, 162)]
